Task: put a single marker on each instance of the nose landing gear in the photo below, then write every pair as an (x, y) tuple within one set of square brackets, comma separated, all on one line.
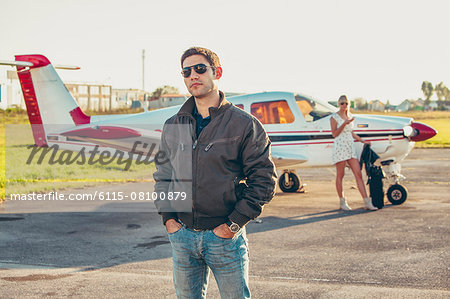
[(397, 194), (290, 182)]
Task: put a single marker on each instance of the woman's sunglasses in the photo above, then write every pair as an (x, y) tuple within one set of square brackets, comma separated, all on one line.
[(198, 68), (343, 103)]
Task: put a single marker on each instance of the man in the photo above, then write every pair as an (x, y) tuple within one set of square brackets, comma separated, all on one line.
[(232, 178)]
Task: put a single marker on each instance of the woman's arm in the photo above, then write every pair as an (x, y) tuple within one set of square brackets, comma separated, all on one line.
[(335, 131), (356, 137)]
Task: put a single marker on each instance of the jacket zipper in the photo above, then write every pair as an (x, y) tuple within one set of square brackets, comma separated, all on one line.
[(194, 166), (194, 171), (220, 141)]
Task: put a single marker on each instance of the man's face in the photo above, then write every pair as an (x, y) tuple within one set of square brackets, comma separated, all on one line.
[(200, 85)]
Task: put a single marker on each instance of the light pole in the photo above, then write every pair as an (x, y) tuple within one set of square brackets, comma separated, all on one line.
[(143, 69)]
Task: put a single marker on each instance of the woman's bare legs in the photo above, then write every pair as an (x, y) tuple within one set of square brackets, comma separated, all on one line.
[(354, 165), (340, 171), (356, 169)]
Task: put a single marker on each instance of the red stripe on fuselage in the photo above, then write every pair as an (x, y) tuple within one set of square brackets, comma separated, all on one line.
[(305, 143), (331, 142), (329, 131)]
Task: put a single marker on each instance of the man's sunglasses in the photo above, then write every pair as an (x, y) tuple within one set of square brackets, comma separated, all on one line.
[(198, 68), (343, 103)]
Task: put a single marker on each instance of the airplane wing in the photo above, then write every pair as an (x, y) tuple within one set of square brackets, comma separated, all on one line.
[(123, 138), (284, 158)]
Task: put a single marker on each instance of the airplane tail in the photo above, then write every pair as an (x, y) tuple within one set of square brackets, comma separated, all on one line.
[(46, 97)]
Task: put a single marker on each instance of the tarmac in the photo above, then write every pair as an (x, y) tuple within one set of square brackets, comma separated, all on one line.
[(302, 247)]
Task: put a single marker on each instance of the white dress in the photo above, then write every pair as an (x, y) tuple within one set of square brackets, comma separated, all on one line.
[(344, 144)]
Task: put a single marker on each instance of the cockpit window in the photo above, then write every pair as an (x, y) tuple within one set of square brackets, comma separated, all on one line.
[(311, 109), (273, 112)]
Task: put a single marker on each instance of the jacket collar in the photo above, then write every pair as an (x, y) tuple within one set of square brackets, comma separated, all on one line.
[(188, 106)]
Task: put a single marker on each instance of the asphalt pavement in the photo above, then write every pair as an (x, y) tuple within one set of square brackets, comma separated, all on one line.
[(302, 247)]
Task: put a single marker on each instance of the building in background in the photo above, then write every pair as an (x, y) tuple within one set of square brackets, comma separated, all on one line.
[(93, 97), (167, 100), (129, 98), (10, 91), (405, 106), (376, 105)]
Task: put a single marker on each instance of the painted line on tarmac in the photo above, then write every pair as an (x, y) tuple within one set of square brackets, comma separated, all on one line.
[(168, 274), (313, 279), (331, 171), (15, 265)]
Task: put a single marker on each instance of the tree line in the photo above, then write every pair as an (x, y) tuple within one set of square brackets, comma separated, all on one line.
[(440, 90), (166, 89)]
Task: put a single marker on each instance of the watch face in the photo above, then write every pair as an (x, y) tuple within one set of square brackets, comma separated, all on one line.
[(234, 227)]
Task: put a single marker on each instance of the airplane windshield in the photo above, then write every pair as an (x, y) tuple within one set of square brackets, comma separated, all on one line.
[(313, 110)]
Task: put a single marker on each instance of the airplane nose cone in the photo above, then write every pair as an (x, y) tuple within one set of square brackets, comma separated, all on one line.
[(422, 132)]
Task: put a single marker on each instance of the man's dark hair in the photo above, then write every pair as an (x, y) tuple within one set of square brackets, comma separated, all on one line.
[(212, 57)]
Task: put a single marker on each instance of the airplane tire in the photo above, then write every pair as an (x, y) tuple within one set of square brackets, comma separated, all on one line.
[(397, 194), (292, 186)]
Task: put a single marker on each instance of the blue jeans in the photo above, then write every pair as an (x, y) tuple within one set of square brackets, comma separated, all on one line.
[(196, 253)]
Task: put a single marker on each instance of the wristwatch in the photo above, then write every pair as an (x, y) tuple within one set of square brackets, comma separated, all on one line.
[(234, 227)]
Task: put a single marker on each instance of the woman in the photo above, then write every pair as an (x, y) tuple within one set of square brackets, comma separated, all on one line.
[(344, 152)]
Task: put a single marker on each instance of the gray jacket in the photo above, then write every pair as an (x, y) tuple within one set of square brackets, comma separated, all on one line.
[(229, 173)]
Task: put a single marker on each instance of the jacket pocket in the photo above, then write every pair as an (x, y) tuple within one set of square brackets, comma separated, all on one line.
[(220, 141)]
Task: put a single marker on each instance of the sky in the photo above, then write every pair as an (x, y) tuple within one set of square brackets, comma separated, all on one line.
[(376, 50)]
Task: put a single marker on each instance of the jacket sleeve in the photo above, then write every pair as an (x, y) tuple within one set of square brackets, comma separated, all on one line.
[(260, 173), (163, 176)]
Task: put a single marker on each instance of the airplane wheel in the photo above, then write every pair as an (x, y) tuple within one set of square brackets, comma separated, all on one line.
[(292, 185), (397, 194)]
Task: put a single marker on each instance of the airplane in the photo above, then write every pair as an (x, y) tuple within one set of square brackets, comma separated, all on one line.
[(298, 127)]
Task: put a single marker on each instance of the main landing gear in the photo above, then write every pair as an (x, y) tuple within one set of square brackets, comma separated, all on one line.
[(289, 182)]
